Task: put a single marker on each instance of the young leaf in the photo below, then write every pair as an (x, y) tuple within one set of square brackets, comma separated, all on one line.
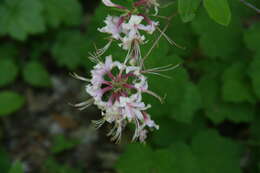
[(218, 10), (35, 74), (10, 102), (187, 9)]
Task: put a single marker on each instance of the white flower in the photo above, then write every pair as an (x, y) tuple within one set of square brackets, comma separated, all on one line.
[(134, 25), (112, 27), (133, 107), (117, 90), (109, 3), (100, 70), (132, 32), (149, 4), (148, 122), (149, 28)]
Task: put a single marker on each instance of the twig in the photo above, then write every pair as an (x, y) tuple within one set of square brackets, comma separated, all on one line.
[(250, 6)]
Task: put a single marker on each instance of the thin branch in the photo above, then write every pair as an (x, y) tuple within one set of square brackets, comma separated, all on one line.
[(250, 6)]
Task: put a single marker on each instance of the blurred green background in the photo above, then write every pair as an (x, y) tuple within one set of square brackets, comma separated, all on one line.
[(210, 120)]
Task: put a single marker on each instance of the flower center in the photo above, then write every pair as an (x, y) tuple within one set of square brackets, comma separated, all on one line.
[(120, 84)]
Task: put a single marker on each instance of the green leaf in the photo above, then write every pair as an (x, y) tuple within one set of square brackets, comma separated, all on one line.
[(61, 143), (252, 37), (70, 50), (5, 161), (215, 153), (10, 102), (215, 40), (254, 73), (184, 159), (58, 12), (172, 131), (35, 74), (187, 9), (129, 157), (218, 11), (17, 167), (178, 158), (19, 18), (218, 111), (8, 72), (235, 87), (188, 104)]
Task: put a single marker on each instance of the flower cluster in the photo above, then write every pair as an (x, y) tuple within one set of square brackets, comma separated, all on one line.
[(117, 88)]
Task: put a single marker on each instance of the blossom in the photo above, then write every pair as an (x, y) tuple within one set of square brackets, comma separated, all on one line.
[(117, 89), (149, 4), (132, 31), (112, 27), (109, 3)]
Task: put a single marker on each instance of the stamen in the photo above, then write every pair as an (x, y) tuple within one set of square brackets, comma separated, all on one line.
[(98, 123), (74, 75), (83, 105)]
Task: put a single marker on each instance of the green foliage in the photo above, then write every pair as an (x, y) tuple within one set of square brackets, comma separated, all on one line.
[(10, 102), (187, 9), (215, 40), (17, 167), (252, 37), (254, 72), (208, 153), (61, 143), (18, 18), (173, 131), (69, 49), (216, 153), (8, 72), (36, 75), (235, 88), (57, 12), (217, 110), (218, 11)]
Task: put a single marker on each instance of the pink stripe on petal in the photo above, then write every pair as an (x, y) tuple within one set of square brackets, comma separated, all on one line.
[(140, 2), (147, 19), (120, 21), (129, 86), (106, 89)]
